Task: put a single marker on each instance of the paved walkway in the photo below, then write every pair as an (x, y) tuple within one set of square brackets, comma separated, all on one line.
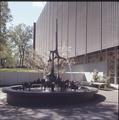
[(104, 107)]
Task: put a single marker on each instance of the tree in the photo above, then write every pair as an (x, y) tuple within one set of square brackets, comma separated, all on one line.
[(5, 17), (21, 36), (34, 60)]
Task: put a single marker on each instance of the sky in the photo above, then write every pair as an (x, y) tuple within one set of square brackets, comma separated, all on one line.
[(25, 12)]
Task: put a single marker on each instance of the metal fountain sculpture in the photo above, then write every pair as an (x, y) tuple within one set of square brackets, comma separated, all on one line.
[(23, 95), (54, 54), (53, 80)]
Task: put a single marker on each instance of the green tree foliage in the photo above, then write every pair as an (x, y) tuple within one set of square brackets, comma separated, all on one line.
[(21, 36), (34, 60), (5, 17)]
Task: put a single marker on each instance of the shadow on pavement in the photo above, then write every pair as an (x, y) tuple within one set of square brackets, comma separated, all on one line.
[(93, 110)]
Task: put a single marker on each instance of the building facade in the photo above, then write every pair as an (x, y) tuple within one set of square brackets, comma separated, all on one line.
[(87, 31)]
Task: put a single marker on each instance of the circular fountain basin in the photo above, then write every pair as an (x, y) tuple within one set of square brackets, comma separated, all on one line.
[(37, 97)]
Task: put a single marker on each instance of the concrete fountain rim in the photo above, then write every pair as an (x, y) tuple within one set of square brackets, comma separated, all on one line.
[(13, 90), (45, 99)]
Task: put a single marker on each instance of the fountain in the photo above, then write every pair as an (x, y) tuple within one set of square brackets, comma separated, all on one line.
[(51, 90)]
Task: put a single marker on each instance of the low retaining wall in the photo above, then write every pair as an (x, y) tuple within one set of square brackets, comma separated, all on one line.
[(12, 78), (74, 76)]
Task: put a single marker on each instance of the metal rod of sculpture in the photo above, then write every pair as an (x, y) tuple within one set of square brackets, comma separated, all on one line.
[(55, 54)]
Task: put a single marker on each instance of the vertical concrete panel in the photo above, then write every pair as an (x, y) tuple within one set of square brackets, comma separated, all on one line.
[(39, 45), (51, 29), (93, 27), (81, 28), (41, 34), (48, 28), (114, 19), (30, 76), (1, 79), (46, 51), (38, 36), (37, 39), (54, 24), (59, 25), (44, 46), (11, 79), (71, 41), (43, 38), (116, 23), (107, 25), (65, 28), (19, 77)]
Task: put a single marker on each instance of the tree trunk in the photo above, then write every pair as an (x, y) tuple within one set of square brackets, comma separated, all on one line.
[(23, 51), (20, 58)]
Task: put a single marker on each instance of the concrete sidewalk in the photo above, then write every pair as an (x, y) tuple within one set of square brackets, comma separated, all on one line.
[(104, 107)]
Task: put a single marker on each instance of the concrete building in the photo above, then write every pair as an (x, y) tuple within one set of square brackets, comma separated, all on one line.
[(89, 31)]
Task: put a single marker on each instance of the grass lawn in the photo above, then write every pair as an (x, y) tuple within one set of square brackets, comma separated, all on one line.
[(17, 70)]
